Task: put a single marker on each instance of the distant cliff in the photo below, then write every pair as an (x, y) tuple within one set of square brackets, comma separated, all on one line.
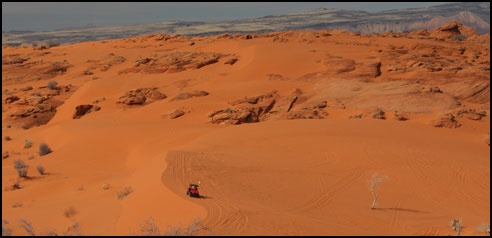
[(472, 14)]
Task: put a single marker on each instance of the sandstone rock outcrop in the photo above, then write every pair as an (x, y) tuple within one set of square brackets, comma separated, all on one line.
[(81, 110), (176, 62), (195, 93), (174, 114), (269, 106), (141, 96), (448, 120)]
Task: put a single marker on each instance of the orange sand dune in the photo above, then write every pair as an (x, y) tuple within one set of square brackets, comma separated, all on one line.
[(283, 130)]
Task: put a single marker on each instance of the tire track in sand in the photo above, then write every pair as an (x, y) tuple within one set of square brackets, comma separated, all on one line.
[(186, 167), (328, 193)]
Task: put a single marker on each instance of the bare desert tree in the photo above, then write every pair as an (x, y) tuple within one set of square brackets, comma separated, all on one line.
[(149, 228), (373, 183), (457, 226)]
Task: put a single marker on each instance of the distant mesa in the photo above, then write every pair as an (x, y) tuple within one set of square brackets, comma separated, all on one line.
[(472, 14)]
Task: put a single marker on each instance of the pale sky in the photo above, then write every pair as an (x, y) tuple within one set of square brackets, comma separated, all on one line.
[(47, 16)]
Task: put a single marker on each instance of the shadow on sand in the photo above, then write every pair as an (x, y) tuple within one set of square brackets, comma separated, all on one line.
[(205, 197), (399, 209)]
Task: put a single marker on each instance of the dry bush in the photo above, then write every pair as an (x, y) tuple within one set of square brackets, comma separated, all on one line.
[(149, 228), (373, 183), (457, 226), (44, 149), (5, 230), (21, 168), (7, 138), (16, 205), (70, 212), (16, 185), (27, 144), (106, 186), (27, 226), (73, 230), (40, 169), (484, 228), (191, 230), (52, 85), (125, 192)]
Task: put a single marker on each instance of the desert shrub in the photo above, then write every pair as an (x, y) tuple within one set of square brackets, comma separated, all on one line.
[(44, 149), (5, 230), (5, 155), (25, 127), (73, 230), (191, 230), (21, 168), (149, 228), (459, 37), (8, 126), (40, 169), (31, 157), (27, 144), (373, 183), (484, 228), (105, 186), (125, 192), (457, 226), (8, 138), (16, 205), (27, 226), (50, 233), (16, 185), (70, 212), (52, 85)]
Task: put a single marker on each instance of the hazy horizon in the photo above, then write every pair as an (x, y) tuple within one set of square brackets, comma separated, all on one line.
[(36, 16)]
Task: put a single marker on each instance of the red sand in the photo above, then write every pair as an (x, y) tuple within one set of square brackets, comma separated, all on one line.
[(273, 177)]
